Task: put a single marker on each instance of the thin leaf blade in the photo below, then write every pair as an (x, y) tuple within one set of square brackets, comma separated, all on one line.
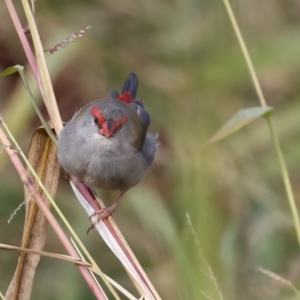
[(242, 118), (11, 70)]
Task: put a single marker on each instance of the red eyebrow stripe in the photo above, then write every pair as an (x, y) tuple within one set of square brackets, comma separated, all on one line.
[(96, 112)]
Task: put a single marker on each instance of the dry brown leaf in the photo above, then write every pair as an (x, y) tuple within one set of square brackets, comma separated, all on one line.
[(42, 156)]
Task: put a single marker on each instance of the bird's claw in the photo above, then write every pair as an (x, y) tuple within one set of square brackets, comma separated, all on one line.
[(101, 214)]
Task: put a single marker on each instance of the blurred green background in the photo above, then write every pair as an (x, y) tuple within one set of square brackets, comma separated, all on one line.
[(193, 78)]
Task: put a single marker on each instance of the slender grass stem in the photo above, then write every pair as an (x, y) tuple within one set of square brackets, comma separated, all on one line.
[(285, 176), (245, 53), (286, 179), (44, 77)]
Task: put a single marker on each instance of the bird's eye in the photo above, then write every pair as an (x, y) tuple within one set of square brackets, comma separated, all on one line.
[(97, 122)]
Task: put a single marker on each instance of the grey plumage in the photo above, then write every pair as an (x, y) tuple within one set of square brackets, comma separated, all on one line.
[(109, 163), (117, 162)]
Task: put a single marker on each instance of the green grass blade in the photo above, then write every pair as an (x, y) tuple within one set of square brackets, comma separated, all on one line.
[(20, 69), (242, 118)]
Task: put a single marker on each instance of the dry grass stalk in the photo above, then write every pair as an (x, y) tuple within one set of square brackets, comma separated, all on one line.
[(42, 157)]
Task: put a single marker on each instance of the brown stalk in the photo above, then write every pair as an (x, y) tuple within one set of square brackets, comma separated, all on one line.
[(42, 157), (25, 178), (92, 198)]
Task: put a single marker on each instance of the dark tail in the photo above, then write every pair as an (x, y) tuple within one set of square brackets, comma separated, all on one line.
[(131, 85)]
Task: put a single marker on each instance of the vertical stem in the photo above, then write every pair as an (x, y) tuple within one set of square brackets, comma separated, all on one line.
[(286, 179), (285, 176), (44, 77), (23, 39), (246, 54)]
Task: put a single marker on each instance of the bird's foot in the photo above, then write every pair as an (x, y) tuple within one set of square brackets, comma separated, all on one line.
[(101, 214)]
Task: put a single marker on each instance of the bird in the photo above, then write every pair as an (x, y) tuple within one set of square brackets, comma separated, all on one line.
[(106, 143)]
